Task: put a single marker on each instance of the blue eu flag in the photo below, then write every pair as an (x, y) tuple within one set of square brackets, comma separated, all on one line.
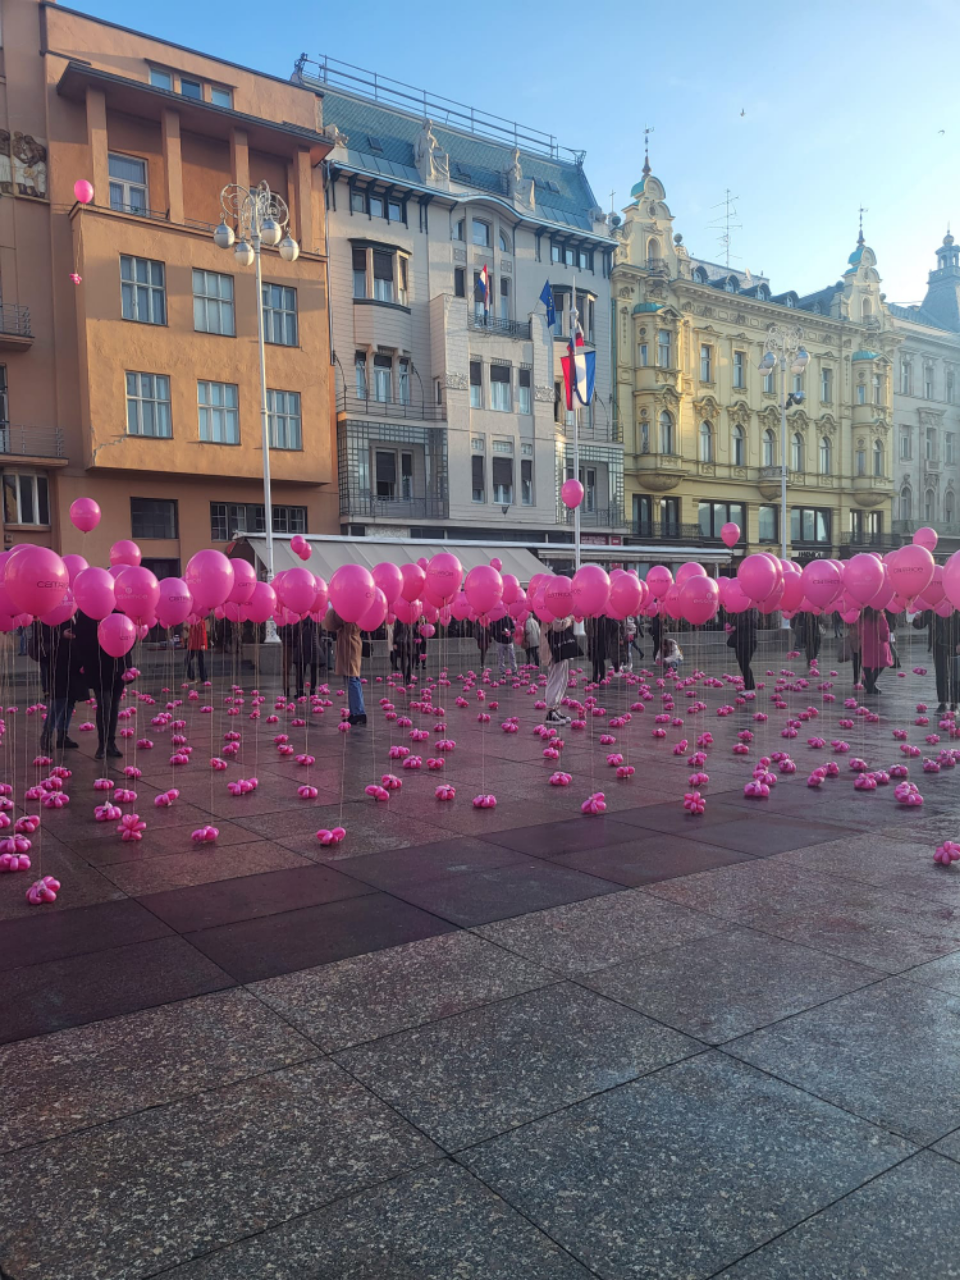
[(546, 297)]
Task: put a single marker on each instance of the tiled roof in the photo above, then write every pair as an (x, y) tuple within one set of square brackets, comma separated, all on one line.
[(822, 298), (916, 315)]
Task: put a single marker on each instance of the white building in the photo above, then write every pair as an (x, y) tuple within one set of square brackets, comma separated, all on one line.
[(449, 418)]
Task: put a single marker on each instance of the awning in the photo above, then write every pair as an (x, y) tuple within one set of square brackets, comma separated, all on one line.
[(328, 554), (660, 553)]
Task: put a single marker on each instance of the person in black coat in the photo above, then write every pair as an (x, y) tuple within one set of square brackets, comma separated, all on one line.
[(945, 642), (66, 684), (105, 676), (744, 637)]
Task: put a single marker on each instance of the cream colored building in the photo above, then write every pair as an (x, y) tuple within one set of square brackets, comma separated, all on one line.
[(702, 427)]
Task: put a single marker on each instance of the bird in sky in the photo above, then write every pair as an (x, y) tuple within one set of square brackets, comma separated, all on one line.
[(743, 113)]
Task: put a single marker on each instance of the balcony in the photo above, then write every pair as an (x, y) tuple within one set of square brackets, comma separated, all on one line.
[(660, 472), (15, 331), (668, 531), (364, 406), (605, 432), (598, 518), (501, 328), (875, 541), (372, 507), (871, 491), (31, 442)]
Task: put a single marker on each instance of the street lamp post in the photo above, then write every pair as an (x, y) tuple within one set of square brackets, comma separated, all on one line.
[(783, 345), (261, 217)]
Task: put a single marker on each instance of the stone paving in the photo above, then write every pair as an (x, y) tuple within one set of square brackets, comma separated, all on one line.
[(487, 1043)]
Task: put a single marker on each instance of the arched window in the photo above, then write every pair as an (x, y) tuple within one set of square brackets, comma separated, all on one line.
[(949, 510), (644, 436), (706, 442), (816, 309), (731, 285), (929, 506), (666, 433), (700, 275), (877, 458), (796, 452), (769, 447), (763, 293), (739, 447), (906, 503), (506, 245), (789, 300), (860, 461), (866, 309), (826, 456), (653, 252)]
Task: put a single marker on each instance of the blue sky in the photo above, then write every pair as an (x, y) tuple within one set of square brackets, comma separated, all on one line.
[(844, 102)]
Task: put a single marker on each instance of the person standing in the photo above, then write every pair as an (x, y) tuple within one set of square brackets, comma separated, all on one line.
[(944, 636), (67, 685), (104, 674), (349, 657), (482, 633), (744, 637), (531, 640), (807, 628), (874, 647), (403, 644), (502, 632), (558, 645), (197, 650)]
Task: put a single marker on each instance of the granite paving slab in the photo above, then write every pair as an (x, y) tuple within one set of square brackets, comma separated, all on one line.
[(584, 936), (489, 1069), (157, 843), (84, 884), (41, 937), (366, 997), (894, 862), (943, 973), (87, 1075), (652, 857), (886, 1053), (729, 983), (676, 1175), (253, 949), (143, 1193), (551, 839), (77, 989), (433, 1224), (893, 1227), (200, 865), (416, 864)]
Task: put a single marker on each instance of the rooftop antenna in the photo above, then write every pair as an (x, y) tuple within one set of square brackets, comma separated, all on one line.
[(648, 129), (726, 223), (862, 212), (612, 210)]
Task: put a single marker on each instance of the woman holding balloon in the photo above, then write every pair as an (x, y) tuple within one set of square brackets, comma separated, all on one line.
[(104, 673), (349, 655)]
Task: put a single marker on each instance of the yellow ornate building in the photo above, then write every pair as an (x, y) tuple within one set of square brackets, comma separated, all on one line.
[(702, 423)]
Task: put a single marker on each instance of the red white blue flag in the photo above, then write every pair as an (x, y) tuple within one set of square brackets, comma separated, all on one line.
[(483, 288), (579, 366)]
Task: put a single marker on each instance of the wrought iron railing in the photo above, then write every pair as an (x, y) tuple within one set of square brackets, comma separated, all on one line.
[(885, 540), (418, 411), (31, 442), (374, 507), (669, 531), (502, 328), (598, 518), (157, 215), (15, 320)]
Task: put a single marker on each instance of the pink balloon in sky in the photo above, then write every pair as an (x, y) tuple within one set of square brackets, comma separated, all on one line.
[(117, 634), (176, 603), (244, 581), (926, 537), (571, 493), (36, 580), (94, 590), (659, 581), (85, 514), (730, 533), (125, 552)]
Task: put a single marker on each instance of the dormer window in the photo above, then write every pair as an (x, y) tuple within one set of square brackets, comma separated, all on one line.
[(763, 293), (730, 286), (700, 275), (788, 301)]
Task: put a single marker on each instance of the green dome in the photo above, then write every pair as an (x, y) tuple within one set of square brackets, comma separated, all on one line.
[(865, 355), (637, 191), (642, 307)]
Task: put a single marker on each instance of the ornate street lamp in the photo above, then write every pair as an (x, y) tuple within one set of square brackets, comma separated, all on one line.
[(783, 346)]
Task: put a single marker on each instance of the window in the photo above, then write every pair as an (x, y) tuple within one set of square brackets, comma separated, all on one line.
[(4, 402), (861, 393), (706, 442), (504, 298), (948, 507), (738, 448), (928, 382), (148, 405), (866, 527), (569, 257), (559, 403), (860, 461), (731, 286), (878, 467), (393, 482), (403, 380), (153, 518), (929, 506), (810, 524), (458, 230), (866, 309), (477, 469), (480, 232), (643, 356), (906, 378), (666, 433), (360, 368), (459, 282), (644, 436), (906, 504), (143, 295), (161, 79), (663, 348), (218, 412), (476, 386), (905, 449), (283, 415), (280, 314), (382, 378), (358, 202), (503, 239), (394, 211), (826, 386), (359, 273), (826, 456), (949, 450), (221, 97), (768, 386), (768, 522), (798, 384), (706, 363), (526, 480), (500, 388), (713, 516), (402, 268), (26, 499), (951, 387), (480, 300), (768, 447), (585, 260), (128, 183), (503, 477), (930, 444), (555, 255), (796, 452), (739, 370), (227, 519), (877, 389), (376, 206), (213, 303), (524, 404), (191, 89)]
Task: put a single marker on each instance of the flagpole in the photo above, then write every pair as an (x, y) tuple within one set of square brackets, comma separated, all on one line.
[(576, 421)]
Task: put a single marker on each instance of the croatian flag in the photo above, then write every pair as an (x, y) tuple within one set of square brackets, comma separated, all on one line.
[(579, 366), (483, 288)]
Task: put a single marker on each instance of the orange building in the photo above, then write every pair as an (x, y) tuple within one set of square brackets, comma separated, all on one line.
[(140, 385)]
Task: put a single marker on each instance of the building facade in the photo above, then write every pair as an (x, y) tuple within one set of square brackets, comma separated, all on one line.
[(129, 344), (702, 422), (926, 405), (449, 412)]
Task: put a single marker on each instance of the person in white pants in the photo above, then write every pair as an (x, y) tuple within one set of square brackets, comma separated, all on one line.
[(506, 657), (558, 672)]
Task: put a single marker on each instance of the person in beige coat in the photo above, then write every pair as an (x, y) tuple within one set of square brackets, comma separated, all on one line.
[(349, 653)]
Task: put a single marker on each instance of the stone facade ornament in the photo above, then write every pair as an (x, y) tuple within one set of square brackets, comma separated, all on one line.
[(432, 164), (455, 382), (543, 394), (29, 166)]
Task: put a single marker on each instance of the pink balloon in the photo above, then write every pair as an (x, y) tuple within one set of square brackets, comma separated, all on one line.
[(83, 190), (389, 579), (115, 570), (414, 579), (460, 608), (758, 575), (822, 582), (430, 612), (137, 593), (210, 577), (792, 592), (351, 591), (300, 546), (690, 569), (730, 533), (849, 616), (511, 588), (699, 599), (933, 593), (927, 538), (117, 635), (36, 580), (734, 598), (444, 575), (626, 595), (63, 612), (85, 514), (231, 610), (863, 577), (262, 603), (376, 613), (408, 610), (483, 587), (95, 592), (571, 492), (911, 569), (297, 591), (659, 581), (244, 581), (496, 563), (883, 596), (670, 604), (558, 596), (75, 564), (944, 609), (591, 591), (774, 600), (428, 630), (323, 595), (126, 552), (175, 603)]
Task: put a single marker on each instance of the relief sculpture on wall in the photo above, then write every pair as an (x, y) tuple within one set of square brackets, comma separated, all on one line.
[(29, 166)]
